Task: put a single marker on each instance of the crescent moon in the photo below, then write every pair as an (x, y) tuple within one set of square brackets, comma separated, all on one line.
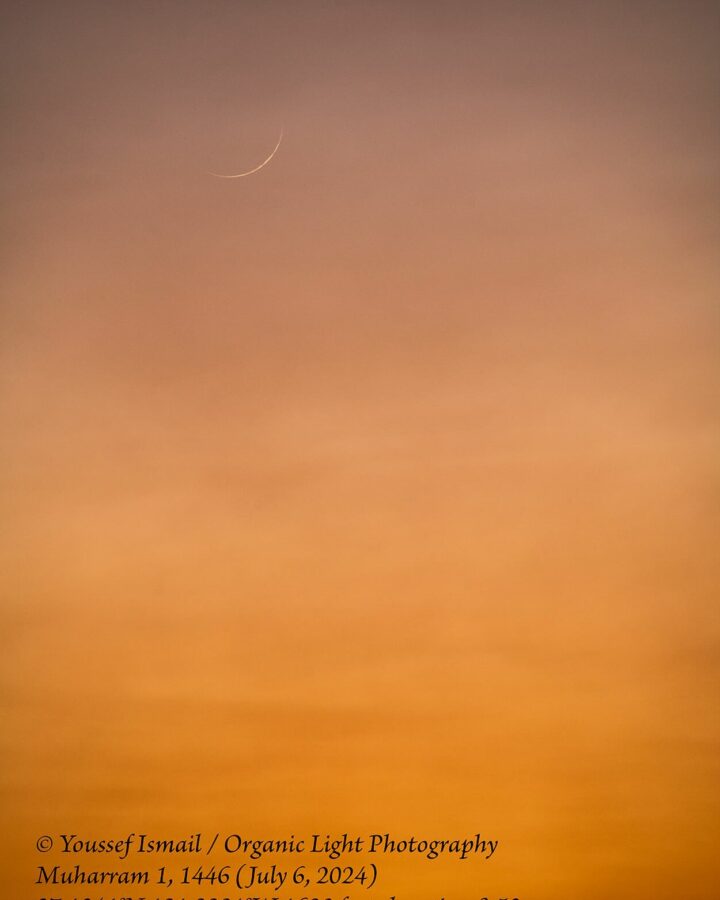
[(257, 168)]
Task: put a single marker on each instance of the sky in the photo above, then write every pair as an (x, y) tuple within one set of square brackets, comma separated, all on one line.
[(375, 491)]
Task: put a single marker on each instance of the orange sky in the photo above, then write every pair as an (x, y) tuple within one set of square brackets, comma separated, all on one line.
[(376, 491)]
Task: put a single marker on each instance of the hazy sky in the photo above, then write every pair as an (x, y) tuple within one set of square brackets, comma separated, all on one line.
[(378, 489)]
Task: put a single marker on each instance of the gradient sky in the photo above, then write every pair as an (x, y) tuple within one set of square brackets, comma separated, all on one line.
[(376, 491)]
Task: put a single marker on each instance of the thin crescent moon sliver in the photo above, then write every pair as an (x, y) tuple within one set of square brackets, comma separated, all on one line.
[(257, 168)]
